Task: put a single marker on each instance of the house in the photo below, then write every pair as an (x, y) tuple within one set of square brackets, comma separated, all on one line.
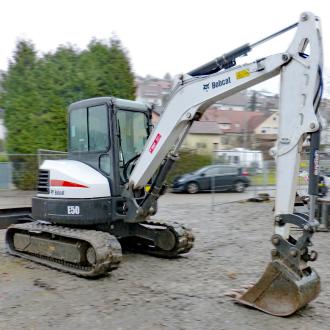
[(249, 100), (265, 101), (155, 115), (153, 90), (266, 132), (269, 126), (325, 139), (238, 102), (204, 137), (324, 112), (237, 126)]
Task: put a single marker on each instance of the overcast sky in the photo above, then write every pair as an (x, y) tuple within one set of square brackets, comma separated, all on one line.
[(172, 36)]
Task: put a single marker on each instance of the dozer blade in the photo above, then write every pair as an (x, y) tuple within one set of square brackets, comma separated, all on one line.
[(281, 291)]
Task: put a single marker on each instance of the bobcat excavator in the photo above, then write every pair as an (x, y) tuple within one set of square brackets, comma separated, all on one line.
[(101, 198)]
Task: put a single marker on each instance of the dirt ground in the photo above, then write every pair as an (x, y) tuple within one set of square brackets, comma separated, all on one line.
[(232, 248)]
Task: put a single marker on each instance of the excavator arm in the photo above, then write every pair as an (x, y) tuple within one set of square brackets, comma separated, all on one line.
[(288, 283)]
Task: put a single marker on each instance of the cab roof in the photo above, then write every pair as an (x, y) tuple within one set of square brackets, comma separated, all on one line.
[(116, 102)]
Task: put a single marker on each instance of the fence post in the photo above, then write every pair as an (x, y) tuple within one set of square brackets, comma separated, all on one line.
[(212, 192), (265, 175)]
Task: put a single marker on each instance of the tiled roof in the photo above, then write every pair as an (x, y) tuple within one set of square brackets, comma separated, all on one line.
[(237, 121), (205, 127), (240, 99)]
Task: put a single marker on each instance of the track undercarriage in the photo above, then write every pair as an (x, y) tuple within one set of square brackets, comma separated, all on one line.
[(93, 253)]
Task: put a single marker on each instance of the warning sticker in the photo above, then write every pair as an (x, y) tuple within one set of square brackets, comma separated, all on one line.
[(242, 74), (154, 144)]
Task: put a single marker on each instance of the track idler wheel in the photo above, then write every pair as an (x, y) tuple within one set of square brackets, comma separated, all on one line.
[(280, 291)]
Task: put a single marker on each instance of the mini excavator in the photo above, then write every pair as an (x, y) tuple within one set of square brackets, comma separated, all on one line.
[(100, 199)]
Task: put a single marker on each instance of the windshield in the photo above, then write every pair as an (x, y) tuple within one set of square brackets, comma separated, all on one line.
[(133, 133)]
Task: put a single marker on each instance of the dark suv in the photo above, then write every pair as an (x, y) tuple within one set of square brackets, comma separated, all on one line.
[(212, 178)]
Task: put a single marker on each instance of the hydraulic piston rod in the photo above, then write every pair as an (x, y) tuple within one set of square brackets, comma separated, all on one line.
[(228, 60)]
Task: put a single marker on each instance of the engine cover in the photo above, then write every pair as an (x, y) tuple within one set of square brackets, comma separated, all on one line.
[(64, 179)]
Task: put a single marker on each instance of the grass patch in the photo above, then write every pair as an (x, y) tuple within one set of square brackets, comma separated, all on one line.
[(262, 179), (270, 179), (3, 159)]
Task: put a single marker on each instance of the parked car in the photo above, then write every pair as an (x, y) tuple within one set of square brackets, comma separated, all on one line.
[(212, 178)]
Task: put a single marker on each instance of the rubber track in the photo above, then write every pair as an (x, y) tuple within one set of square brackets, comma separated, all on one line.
[(107, 248), (184, 241)]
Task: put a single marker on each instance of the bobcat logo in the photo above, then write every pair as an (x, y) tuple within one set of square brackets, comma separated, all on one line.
[(206, 87)]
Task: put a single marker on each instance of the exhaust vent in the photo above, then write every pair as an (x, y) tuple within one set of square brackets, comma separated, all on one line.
[(43, 182)]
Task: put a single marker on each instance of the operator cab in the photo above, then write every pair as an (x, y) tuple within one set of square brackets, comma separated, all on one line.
[(109, 134)]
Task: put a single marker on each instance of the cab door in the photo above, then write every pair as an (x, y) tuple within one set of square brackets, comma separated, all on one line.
[(89, 140)]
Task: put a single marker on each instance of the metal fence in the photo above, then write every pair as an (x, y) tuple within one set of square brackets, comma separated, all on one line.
[(20, 171), (44, 154)]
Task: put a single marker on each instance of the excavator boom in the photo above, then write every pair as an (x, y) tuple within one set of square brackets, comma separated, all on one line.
[(288, 282)]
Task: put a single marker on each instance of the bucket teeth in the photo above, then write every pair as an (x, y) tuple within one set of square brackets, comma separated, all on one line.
[(237, 293)]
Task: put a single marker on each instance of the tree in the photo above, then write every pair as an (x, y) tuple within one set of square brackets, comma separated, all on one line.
[(37, 91), (20, 98), (107, 70), (59, 84)]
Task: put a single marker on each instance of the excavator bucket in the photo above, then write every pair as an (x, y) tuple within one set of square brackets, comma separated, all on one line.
[(281, 291), (288, 283)]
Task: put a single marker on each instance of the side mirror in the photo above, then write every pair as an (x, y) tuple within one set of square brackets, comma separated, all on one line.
[(202, 174)]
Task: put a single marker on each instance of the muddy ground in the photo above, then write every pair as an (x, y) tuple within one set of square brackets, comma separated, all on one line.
[(232, 248)]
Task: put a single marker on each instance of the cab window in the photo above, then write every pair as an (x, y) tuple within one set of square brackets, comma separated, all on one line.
[(89, 129)]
